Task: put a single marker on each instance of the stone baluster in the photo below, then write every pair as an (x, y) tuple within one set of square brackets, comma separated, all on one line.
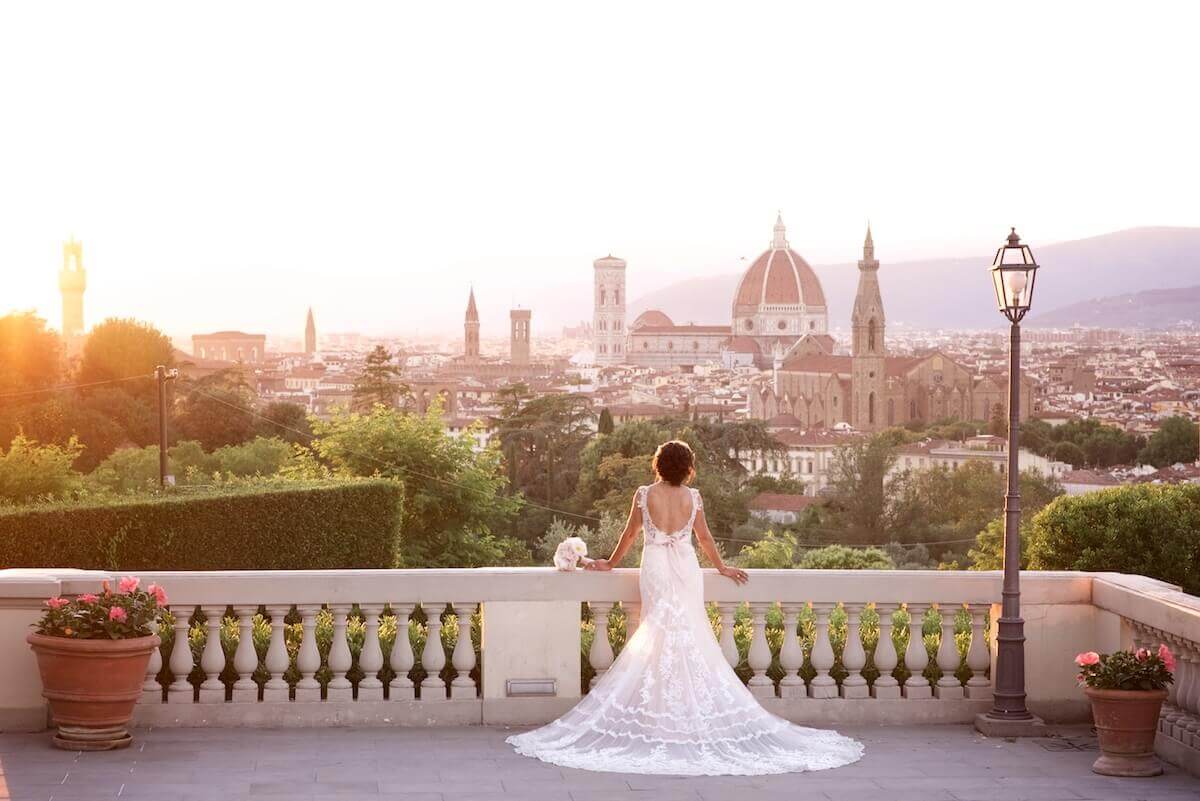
[(402, 658), (979, 657), (948, 685), (276, 688), (370, 660), (791, 655), (181, 691), (1190, 727), (760, 652), (633, 616), (600, 655), (308, 660), (728, 643), (463, 658), (245, 658), (886, 659), (1178, 693), (212, 658), (152, 691), (340, 659), (433, 656), (823, 685), (854, 658), (916, 658)]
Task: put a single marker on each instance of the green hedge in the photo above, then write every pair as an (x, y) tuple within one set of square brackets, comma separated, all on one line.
[(268, 526)]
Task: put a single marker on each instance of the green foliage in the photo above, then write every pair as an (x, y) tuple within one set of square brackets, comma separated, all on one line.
[(1175, 441), (379, 383), (998, 423), (839, 557), (264, 526), (605, 424), (1144, 529), (137, 468), (30, 353), (119, 348), (285, 420), (1098, 445), (858, 478), (773, 551), (213, 410), (30, 471), (453, 497)]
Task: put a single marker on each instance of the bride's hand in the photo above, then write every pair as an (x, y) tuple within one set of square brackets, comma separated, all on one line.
[(598, 564), (738, 575)]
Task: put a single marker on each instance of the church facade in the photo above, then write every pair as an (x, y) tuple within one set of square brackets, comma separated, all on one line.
[(810, 387)]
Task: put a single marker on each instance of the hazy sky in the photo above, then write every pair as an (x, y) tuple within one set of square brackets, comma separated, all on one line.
[(226, 165)]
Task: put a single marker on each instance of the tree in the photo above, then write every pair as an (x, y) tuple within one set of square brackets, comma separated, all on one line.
[(839, 557), (286, 420), (773, 551), (216, 410), (1175, 441), (1145, 529), (998, 424), (120, 348), (857, 476), (605, 426), (1070, 453), (29, 470), (454, 499), (378, 384), (30, 353)]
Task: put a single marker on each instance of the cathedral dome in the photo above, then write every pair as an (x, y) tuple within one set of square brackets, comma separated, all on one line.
[(779, 277), (652, 317)]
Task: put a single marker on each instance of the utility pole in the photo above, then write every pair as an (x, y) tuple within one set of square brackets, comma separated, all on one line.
[(162, 375)]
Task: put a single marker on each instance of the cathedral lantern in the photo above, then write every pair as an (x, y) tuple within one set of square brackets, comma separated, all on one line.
[(1013, 274)]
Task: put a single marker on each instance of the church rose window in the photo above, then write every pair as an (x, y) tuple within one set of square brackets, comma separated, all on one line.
[(782, 325), (749, 325)]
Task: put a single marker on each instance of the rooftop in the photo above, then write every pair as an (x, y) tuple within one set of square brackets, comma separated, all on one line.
[(472, 763)]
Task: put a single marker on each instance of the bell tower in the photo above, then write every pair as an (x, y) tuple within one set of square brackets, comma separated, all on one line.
[(608, 319), (72, 281), (868, 350), (471, 331), (519, 320)]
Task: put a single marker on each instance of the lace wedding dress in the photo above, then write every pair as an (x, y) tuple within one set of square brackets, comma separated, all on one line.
[(670, 703)]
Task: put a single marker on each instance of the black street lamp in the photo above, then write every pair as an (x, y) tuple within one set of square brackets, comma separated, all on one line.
[(1013, 274)]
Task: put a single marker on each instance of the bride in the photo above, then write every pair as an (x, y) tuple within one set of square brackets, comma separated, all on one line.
[(670, 703)]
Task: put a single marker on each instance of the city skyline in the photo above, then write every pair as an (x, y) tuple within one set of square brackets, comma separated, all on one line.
[(362, 168)]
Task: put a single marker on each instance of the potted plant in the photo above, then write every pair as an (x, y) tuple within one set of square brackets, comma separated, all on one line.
[(1127, 689), (92, 651)]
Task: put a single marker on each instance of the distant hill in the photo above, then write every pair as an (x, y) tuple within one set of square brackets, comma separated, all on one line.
[(1153, 308), (956, 292)]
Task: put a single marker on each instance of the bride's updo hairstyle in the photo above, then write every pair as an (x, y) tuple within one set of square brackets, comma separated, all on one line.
[(674, 462)]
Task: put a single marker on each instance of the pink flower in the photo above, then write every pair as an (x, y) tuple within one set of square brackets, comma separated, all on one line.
[(1164, 653), (1142, 654), (57, 603), (117, 614), (89, 598), (1087, 658), (160, 595), (129, 584)]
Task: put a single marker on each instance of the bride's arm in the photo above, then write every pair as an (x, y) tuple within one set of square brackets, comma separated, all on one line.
[(705, 538), (632, 526)]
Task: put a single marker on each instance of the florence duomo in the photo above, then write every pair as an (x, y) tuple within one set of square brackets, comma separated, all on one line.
[(779, 323)]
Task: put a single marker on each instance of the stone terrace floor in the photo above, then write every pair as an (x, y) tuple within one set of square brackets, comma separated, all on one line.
[(922, 763)]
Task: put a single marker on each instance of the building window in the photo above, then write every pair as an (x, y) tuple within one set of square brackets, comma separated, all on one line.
[(616, 325), (603, 348), (603, 325), (782, 325), (749, 325), (871, 336), (616, 297), (812, 324), (670, 346), (695, 345), (871, 408), (603, 297), (617, 348), (645, 346)]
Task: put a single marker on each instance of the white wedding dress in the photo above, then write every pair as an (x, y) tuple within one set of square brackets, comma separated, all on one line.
[(670, 703)]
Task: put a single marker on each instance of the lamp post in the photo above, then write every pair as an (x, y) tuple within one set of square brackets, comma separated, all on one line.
[(1013, 274)]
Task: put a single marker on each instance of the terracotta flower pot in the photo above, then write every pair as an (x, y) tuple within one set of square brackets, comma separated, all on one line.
[(1127, 723), (91, 686)]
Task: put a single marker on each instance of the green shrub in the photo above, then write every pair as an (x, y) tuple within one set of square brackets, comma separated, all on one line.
[(839, 557), (249, 526), (1146, 529)]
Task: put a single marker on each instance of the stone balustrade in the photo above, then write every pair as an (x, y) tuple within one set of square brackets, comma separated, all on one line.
[(503, 645)]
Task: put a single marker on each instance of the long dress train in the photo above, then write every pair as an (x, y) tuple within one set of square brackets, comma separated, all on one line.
[(670, 703)]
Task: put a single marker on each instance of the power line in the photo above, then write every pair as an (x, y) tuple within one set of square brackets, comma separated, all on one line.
[(63, 387)]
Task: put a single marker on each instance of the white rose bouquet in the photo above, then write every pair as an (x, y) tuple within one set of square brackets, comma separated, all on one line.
[(570, 552)]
